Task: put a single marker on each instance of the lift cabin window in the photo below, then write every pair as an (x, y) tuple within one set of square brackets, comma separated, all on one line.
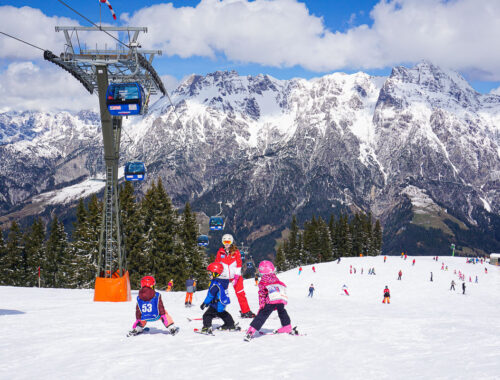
[(124, 94)]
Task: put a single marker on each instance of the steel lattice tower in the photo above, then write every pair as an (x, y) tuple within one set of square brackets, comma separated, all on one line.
[(94, 69)]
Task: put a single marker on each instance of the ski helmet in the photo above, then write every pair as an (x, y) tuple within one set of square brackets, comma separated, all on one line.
[(148, 281), (266, 267), (227, 239), (216, 269)]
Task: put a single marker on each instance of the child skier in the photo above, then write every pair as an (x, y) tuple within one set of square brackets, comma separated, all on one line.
[(189, 291), (170, 285), (217, 299), (311, 291), (150, 308), (387, 295), (272, 296)]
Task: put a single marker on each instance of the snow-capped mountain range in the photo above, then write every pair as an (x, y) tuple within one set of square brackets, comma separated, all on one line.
[(420, 149)]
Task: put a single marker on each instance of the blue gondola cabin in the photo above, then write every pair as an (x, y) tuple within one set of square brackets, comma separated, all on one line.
[(135, 171), (203, 240), (216, 223), (123, 99)]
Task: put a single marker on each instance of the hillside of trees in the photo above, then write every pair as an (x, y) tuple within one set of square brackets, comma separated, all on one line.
[(319, 242), (160, 242)]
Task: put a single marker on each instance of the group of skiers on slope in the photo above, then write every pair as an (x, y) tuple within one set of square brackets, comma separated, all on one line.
[(225, 269)]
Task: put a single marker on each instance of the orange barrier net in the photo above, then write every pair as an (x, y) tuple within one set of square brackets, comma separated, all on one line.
[(115, 289)]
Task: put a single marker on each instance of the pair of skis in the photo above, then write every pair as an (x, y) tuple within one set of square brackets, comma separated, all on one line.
[(210, 332), (146, 329)]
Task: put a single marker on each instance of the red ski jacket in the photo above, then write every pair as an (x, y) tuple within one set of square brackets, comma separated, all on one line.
[(231, 263)]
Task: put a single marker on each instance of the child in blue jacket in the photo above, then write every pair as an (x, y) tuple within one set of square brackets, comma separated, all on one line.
[(217, 299)]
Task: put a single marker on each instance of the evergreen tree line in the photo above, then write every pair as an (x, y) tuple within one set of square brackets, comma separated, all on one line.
[(159, 242), (319, 241)]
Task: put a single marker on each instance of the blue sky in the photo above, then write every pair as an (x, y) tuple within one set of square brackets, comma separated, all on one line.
[(282, 38)]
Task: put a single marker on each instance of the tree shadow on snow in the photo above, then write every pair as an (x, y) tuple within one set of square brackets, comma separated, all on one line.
[(10, 312)]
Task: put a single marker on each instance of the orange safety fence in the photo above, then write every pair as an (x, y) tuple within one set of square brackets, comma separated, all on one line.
[(115, 289)]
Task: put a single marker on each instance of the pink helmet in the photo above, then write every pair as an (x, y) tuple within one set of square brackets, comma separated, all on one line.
[(266, 267)]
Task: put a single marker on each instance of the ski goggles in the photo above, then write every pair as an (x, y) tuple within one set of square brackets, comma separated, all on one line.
[(226, 241)]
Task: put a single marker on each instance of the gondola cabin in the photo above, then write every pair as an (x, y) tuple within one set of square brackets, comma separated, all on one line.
[(135, 171), (216, 223), (202, 240), (123, 99)]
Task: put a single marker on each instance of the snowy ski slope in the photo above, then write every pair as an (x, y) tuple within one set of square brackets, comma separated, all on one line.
[(427, 332)]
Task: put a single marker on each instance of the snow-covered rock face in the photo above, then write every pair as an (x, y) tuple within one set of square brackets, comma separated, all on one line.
[(274, 147)]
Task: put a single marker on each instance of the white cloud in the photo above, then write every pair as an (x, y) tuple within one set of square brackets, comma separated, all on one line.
[(459, 34), (27, 86)]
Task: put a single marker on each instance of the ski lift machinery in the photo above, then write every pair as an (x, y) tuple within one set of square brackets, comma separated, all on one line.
[(123, 72)]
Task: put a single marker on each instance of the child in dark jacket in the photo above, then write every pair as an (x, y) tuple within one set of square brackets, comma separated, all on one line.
[(217, 299), (149, 308), (272, 296)]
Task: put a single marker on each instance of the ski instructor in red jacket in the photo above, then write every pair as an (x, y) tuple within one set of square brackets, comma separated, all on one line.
[(230, 258)]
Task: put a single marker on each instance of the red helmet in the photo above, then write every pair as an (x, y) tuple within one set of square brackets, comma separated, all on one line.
[(215, 268), (148, 281)]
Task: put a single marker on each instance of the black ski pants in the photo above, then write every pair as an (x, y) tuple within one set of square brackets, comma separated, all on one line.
[(212, 313), (264, 313)]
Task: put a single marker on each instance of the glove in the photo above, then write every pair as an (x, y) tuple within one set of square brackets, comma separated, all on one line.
[(236, 278), (165, 320), (137, 322), (203, 305)]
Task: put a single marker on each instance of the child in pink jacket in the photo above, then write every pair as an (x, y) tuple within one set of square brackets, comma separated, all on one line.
[(272, 296)]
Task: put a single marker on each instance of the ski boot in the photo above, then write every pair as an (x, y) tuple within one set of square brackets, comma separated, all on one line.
[(207, 331), (249, 335), (248, 314), (234, 327), (136, 331), (173, 330)]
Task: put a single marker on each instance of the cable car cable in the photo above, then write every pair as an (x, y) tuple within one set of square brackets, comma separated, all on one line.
[(20, 40)]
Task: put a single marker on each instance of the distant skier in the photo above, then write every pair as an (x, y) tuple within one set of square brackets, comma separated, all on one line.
[(338, 260), (311, 291), (149, 308), (476, 280), (385, 258), (400, 274), (486, 270), (463, 287), (217, 299), (170, 285), (452, 285), (431, 276), (300, 270), (256, 278), (314, 269), (189, 291), (361, 270), (387, 295), (344, 288), (272, 296), (413, 262), (470, 279)]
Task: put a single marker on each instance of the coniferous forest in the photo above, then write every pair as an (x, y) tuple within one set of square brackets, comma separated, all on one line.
[(159, 242), (319, 241)]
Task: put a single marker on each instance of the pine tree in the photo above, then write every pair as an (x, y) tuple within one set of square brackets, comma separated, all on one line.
[(293, 251), (196, 261), (3, 260), (35, 251), (325, 242), (14, 264), (280, 260), (377, 239), (82, 250), (57, 264)]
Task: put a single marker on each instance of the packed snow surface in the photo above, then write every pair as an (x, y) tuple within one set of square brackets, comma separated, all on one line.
[(427, 332)]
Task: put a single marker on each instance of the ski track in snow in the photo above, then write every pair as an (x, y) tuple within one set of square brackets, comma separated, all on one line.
[(427, 332)]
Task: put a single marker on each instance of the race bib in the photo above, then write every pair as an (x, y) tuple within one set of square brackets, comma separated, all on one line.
[(277, 292)]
